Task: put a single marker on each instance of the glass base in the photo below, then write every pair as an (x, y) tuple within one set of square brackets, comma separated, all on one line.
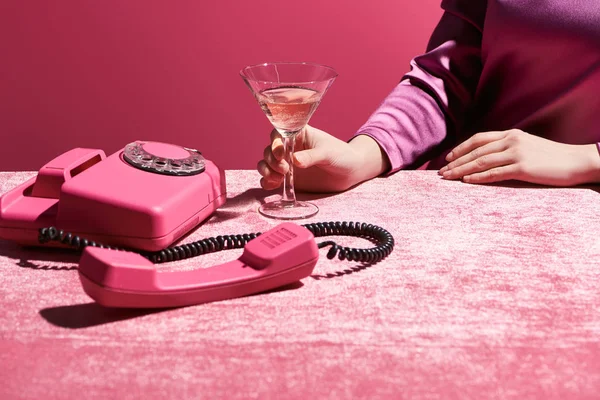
[(288, 210)]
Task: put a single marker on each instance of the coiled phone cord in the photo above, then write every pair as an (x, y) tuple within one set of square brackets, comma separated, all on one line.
[(383, 239)]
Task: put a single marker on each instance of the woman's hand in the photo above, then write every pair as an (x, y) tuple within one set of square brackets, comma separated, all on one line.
[(323, 163), (498, 156)]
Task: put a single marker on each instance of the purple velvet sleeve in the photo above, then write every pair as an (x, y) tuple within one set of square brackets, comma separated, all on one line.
[(427, 108)]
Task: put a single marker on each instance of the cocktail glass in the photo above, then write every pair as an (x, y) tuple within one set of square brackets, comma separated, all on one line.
[(288, 93)]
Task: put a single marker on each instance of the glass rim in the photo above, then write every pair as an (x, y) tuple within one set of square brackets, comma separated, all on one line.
[(244, 76)]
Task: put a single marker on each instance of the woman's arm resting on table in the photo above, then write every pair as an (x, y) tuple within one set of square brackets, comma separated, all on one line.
[(429, 105), (409, 125), (499, 156)]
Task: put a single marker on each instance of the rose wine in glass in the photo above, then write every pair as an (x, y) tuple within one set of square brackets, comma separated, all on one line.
[(288, 108), (288, 94)]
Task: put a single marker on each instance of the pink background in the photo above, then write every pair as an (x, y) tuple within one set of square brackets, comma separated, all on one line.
[(100, 74)]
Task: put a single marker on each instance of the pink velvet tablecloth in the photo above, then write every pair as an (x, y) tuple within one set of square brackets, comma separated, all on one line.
[(491, 292)]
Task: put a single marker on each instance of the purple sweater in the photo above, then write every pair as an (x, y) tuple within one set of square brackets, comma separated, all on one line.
[(496, 65)]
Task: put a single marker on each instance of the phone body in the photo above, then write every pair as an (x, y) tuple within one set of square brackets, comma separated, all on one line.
[(112, 200)]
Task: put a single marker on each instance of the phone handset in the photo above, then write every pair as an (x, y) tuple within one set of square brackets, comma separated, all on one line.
[(280, 256)]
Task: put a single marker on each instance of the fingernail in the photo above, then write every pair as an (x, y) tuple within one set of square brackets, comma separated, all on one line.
[(442, 170), (447, 174), (450, 156)]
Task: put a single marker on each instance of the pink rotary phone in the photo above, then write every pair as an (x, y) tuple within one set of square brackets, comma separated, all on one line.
[(145, 197)]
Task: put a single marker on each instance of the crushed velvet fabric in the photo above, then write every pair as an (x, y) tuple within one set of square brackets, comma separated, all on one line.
[(491, 292)]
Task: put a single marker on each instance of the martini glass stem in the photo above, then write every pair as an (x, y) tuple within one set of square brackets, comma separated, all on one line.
[(289, 196)]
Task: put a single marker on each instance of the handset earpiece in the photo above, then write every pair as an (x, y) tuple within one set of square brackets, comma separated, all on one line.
[(280, 256)]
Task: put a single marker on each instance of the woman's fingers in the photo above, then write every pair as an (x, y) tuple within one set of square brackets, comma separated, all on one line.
[(269, 185), (277, 165), (276, 147), (270, 178), (480, 155), (480, 164), (273, 166), (474, 142), (503, 173)]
